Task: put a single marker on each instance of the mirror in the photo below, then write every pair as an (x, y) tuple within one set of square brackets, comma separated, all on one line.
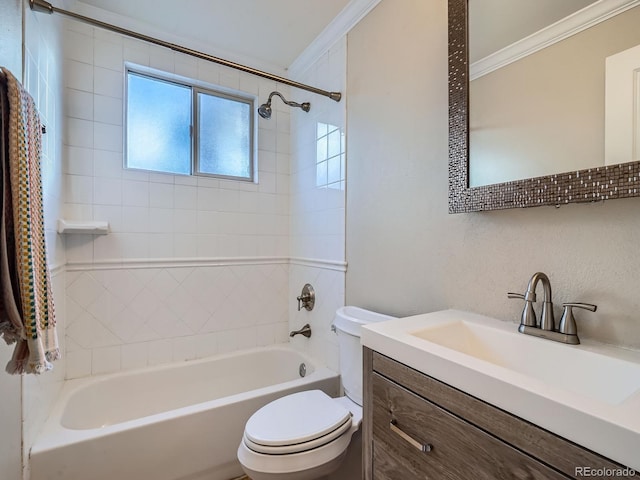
[(513, 94)]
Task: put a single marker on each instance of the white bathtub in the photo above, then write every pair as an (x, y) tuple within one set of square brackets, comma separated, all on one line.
[(175, 422)]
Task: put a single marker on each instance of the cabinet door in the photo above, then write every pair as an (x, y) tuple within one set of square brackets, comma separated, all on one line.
[(454, 449)]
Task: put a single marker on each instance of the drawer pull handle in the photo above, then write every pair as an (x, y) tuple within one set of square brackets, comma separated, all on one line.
[(423, 447)]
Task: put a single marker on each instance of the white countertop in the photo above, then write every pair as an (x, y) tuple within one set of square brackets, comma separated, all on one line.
[(608, 428)]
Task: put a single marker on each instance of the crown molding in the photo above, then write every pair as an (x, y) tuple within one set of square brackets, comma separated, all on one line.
[(348, 18), (556, 32)]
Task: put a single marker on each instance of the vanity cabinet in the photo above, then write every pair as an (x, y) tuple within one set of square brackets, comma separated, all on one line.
[(417, 428)]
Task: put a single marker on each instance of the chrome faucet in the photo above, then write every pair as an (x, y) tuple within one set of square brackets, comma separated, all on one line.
[(305, 331), (567, 330), (547, 321)]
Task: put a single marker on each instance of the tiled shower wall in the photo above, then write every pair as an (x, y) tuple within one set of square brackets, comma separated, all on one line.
[(318, 206), (192, 265), (43, 80)]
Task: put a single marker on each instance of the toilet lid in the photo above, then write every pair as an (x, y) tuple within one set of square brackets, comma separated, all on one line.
[(295, 419)]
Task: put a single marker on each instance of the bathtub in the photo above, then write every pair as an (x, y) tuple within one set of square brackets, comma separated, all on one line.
[(176, 422)]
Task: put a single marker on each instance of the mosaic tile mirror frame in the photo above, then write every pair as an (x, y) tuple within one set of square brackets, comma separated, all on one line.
[(589, 185)]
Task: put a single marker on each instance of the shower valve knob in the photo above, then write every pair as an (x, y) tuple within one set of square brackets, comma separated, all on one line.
[(307, 298)]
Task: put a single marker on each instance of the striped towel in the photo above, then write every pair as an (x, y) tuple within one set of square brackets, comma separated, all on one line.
[(26, 302)]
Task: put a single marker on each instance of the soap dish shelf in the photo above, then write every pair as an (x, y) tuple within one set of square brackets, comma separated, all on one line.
[(91, 227)]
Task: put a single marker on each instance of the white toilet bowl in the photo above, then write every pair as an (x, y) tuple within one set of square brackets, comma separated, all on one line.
[(302, 436), (305, 436)]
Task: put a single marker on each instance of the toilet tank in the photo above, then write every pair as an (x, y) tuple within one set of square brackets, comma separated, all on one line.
[(347, 323)]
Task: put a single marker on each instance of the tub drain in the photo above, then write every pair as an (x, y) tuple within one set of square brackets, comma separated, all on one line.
[(302, 370)]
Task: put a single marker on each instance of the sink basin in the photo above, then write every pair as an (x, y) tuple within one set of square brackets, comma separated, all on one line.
[(601, 377), (587, 393)]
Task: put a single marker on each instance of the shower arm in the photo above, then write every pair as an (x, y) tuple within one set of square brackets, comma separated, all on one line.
[(287, 102), (43, 6)]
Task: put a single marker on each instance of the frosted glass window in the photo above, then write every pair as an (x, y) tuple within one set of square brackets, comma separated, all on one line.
[(224, 141), (330, 156), (176, 127), (158, 125)]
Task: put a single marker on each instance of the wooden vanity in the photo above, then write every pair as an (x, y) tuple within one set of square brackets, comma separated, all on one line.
[(416, 427)]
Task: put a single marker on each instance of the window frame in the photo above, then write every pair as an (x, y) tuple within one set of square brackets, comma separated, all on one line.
[(196, 88)]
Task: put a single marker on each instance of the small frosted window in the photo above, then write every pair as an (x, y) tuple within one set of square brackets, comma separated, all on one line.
[(224, 141), (161, 136), (158, 125)]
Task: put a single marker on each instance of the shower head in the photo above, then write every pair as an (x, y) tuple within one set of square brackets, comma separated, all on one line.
[(264, 110)]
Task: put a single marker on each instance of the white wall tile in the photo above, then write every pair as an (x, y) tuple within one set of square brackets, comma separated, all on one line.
[(135, 245), (105, 360), (186, 66), (78, 47), (135, 194), (161, 177), (107, 137), (79, 104), (160, 351), (134, 356), (185, 245), (78, 161), (137, 53), (185, 221), (107, 191), (161, 245), (107, 109), (107, 164), (108, 82), (107, 247), (161, 195), (79, 75), (79, 133), (185, 197), (79, 189), (78, 363), (79, 248), (162, 59), (108, 55), (111, 214), (160, 220), (135, 219), (184, 348)]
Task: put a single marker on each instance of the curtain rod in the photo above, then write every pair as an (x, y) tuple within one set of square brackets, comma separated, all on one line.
[(46, 7)]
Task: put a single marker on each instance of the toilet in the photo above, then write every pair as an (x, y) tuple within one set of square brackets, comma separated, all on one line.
[(305, 435)]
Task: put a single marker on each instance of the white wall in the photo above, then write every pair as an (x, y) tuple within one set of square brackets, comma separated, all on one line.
[(27, 399), (10, 385), (43, 79), (192, 265), (318, 166), (406, 254)]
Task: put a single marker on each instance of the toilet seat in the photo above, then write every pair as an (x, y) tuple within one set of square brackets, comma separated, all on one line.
[(295, 423)]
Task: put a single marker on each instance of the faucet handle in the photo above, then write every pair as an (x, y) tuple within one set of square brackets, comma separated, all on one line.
[(586, 306), (568, 322), (515, 295), (528, 317)]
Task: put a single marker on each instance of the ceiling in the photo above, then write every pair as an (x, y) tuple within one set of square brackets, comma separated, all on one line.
[(269, 32)]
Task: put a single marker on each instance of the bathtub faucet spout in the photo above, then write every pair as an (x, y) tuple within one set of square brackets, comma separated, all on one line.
[(306, 331)]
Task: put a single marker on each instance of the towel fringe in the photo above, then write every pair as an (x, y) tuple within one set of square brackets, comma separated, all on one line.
[(53, 355), (8, 332), (17, 367)]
